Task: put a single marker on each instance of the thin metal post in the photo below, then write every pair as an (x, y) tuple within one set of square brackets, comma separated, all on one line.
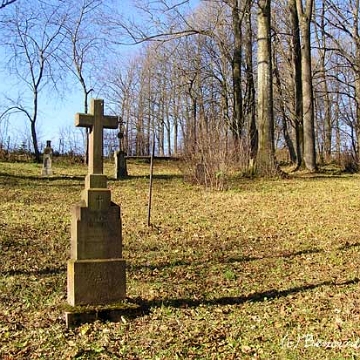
[(151, 179)]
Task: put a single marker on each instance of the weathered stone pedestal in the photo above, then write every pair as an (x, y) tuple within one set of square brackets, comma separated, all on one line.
[(120, 165), (96, 270), (47, 160)]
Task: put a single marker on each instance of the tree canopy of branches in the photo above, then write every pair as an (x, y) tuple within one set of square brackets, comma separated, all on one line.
[(219, 92), (229, 85)]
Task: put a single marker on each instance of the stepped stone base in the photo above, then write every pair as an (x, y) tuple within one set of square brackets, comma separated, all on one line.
[(96, 281)]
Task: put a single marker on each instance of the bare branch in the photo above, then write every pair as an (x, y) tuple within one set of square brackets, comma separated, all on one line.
[(6, 3)]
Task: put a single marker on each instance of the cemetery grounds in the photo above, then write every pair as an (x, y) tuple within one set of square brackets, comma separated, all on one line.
[(267, 269)]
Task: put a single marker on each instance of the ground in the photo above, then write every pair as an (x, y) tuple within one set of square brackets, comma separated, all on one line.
[(267, 269)]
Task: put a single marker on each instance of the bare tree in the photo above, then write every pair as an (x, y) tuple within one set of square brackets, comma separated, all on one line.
[(156, 21), (237, 15), (122, 79), (265, 160), (217, 78), (33, 38), (249, 100), (84, 43), (297, 83), (305, 16), (343, 18), (323, 89)]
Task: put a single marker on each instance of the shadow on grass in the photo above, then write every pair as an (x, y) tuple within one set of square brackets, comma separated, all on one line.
[(39, 181), (285, 256), (42, 178), (239, 300), (62, 269), (140, 307), (147, 176), (55, 271), (82, 177), (240, 259), (324, 176), (47, 271), (229, 260), (349, 246)]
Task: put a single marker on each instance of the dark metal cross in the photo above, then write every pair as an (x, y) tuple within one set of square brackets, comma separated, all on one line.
[(96, 121)]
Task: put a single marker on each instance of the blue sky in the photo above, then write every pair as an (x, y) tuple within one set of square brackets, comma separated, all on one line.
[(55, 113)]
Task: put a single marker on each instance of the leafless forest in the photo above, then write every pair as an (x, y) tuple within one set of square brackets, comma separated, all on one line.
[(226, 83)]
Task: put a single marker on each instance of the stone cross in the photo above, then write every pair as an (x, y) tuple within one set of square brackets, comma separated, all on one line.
[(96, 268), (96, 121)]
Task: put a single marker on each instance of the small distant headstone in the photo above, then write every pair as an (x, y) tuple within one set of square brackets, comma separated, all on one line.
[(96, 269), (47, 160), (120, 165), (200, 174)]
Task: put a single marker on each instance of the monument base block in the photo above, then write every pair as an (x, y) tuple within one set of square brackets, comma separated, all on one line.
[(96, 281), (45, 172)]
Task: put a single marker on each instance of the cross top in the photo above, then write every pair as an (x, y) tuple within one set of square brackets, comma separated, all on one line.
[(96, 121)]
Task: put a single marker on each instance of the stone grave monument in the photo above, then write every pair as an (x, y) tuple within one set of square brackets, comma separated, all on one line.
[(47, 160), (96, 269), (120, 165), (120, 155)]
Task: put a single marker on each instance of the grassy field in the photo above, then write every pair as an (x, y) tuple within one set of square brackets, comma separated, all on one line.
[(268, 269)]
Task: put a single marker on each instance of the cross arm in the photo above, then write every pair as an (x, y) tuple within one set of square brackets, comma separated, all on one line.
[(110, 122), (84, 120)]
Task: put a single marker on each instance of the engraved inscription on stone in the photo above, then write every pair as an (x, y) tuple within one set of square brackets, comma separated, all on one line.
[(100, 201), (97, 220)]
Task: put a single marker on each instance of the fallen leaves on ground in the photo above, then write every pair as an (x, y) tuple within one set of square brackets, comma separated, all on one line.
[(266, 269)]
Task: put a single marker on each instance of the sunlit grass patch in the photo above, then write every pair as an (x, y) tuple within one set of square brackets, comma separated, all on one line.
[(266, 269)]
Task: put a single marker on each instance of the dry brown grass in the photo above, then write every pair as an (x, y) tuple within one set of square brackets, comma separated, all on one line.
[(267, 269)]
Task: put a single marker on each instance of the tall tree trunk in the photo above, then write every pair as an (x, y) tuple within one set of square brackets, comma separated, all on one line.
[(357, 116), (33, 125), (192, 119), (34, 141), (238, 120), (307, 88), (337, 128), (175, 136), (357, 78), (327, 129), (327, 119), (265, 160), (161, 125), (296, 64), (249, 102)]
